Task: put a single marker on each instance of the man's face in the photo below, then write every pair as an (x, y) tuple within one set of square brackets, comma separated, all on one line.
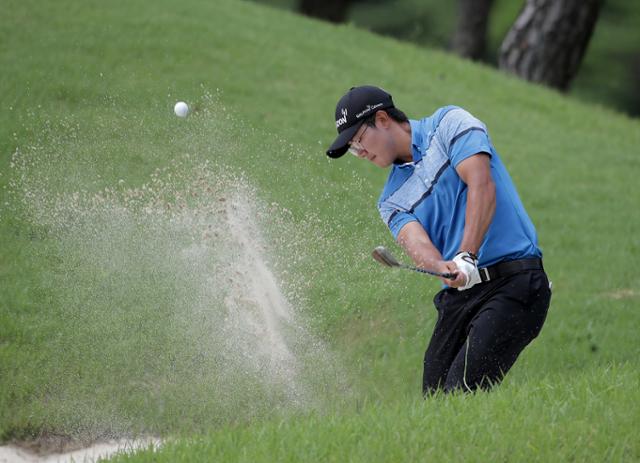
[(375, 144)]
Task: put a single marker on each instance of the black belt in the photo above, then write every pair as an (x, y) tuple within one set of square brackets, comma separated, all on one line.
[(503, 269)]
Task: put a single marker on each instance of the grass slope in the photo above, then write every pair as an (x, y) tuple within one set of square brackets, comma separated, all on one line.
[(91, 85), (606, 75)]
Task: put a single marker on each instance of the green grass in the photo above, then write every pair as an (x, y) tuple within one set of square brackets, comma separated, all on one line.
[(90, 342), (578, 426)]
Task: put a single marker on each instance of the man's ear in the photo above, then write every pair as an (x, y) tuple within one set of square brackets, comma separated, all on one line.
[(383, 119)]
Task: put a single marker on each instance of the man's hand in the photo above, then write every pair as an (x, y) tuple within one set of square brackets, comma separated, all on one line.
[(465, 265), (450, 266)]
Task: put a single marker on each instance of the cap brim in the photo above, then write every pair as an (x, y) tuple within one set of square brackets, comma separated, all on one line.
[(341, 144)]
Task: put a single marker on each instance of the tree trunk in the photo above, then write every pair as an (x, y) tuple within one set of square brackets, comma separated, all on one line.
[(548, 40), (634, 97), (334, 11), (470, 37)]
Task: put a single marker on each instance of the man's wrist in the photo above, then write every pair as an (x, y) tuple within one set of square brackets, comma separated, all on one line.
[(467, 263), (472, 254)]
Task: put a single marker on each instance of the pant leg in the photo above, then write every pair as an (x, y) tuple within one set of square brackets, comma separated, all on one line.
[(449, 335), (505, 324)]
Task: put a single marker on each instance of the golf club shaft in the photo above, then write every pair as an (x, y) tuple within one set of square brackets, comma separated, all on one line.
[(382, 255), (429, 272)]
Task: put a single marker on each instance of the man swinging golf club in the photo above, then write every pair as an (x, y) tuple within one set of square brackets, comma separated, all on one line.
[(450, 203)]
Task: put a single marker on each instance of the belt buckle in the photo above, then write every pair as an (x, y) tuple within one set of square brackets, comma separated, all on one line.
[(484, 274)]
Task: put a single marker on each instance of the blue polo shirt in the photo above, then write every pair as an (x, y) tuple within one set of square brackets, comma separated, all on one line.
[(429, 190)]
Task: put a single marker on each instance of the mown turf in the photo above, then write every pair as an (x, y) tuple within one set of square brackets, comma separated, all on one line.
[(90, 86), (502, 426)]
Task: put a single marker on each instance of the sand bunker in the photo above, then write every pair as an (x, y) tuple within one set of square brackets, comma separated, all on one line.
[(179, 297), (15, 454)]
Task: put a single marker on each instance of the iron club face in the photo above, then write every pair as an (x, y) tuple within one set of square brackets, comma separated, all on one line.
[(382, 255)]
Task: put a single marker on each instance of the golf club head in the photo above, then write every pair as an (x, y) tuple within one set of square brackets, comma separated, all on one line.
[(383, 256)]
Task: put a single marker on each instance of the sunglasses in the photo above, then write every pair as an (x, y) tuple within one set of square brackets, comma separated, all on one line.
[(355, 146)]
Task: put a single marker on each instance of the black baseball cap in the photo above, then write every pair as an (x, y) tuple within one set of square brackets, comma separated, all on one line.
[(351, 111)]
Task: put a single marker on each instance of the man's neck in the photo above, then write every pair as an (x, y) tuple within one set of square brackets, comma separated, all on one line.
[(403, 140)]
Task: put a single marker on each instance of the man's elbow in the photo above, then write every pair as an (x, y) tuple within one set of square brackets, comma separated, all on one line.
[(485, 190), (490, 194), (483, 185), (493, 200)]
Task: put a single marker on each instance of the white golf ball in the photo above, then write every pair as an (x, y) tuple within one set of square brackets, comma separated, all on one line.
[(181, 109)]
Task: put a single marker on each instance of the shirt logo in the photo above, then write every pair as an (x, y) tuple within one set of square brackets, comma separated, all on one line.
[(342, 120)]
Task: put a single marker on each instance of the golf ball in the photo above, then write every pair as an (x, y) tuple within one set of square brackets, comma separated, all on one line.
[(181, 109)]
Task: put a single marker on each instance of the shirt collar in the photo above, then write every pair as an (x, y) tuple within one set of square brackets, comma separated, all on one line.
[(416, 140)]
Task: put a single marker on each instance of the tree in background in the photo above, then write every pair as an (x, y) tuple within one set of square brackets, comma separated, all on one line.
[(470, 35), (548, 40), (609, 71), (633, 101), (330, 10)]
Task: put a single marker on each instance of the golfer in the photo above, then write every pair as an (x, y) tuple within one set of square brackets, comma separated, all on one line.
[(451, 205)]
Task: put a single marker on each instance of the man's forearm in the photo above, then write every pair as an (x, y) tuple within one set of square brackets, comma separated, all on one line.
[(414, 240), (481, 205), (417, 244)]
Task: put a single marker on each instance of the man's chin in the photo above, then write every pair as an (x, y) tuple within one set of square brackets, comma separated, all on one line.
[(385, 164), (380, 161)]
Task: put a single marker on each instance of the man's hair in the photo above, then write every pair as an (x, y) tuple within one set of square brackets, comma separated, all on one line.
[(394, 113)]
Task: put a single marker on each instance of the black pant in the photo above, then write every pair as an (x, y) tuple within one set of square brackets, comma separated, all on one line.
[(481, 331)]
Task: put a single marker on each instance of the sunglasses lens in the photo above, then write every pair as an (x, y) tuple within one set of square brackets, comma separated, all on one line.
[(356, 148)]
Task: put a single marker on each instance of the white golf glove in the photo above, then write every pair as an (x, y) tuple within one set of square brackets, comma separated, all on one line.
[(468, 264)]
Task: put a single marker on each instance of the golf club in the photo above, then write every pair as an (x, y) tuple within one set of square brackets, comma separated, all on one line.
[(382, 255)]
